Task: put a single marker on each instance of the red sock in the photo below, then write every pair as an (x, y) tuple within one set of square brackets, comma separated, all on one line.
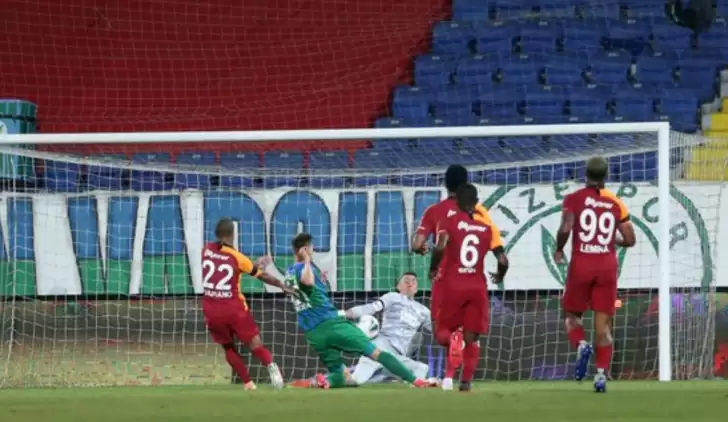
[(263, 355), (238, 365), (471, 356), (576, 335), (603, 357), (449, 369)]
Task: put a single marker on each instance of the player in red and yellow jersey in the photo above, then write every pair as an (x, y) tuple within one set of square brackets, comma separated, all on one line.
[(463, 241), (225, 308), (455, 176), (592, 217)]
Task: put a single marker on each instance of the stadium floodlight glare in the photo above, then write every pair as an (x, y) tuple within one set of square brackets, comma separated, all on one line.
[(103, 244)]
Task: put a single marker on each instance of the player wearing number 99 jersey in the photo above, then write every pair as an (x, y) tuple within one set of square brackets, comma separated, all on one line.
[(463, 240), (592, 216), (224, 306)]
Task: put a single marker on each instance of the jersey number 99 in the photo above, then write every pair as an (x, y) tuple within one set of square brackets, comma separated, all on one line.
[(596, 226)]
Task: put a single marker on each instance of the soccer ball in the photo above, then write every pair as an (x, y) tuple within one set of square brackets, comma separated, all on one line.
[(369, 326)]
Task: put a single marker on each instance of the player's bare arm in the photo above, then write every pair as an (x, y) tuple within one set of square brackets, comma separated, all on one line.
[(628, 239), (562, 236), (307, 276), (503, 265), (439, 253)]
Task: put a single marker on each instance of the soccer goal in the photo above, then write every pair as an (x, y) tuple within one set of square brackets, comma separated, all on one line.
[(100, 273)]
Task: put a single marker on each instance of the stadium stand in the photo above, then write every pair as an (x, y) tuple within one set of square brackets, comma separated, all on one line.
[(490, 62)]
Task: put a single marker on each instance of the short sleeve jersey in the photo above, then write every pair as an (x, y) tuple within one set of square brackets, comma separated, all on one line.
[(597, 213), (312, 303), (222, 270), (470, 239), (436, 213)]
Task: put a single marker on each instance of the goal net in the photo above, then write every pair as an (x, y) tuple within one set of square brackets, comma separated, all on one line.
[(100, 272)]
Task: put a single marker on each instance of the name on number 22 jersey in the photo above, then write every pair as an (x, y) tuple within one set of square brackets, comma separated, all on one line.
[(222, 269), (597, 215), (470, 239)]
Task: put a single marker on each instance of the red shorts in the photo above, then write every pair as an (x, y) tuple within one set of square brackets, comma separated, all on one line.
[(225, 324), (591, 287), (467, 308)]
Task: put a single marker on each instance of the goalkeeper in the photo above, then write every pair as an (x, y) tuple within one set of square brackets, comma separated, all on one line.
[(402, 320), (326, 331)]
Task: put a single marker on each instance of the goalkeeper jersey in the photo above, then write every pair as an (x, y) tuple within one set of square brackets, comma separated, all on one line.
[(402, 319), (312, 303)]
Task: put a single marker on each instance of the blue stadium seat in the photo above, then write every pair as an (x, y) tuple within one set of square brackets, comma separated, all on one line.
[(476, 71), (589, 102), (500, 102), (634, 104), (678, 101), (411, 103), (632, 29), (454, 100), (195, 180), (540, 36), (656, 68), (107, 177), (456, 121), (701, 81), (583, 36), (545, 101), (699, 59), (569, 143), (329, 161), (389, 122), (234, 162), (375, 160), (610, 67), (278, 160), (433, 70), (504, 177), (451, 38), (603, 9), (471, 11), (513, 9), (495, 38), (523, 142), (551, 173), (150, 180), (715, 38), (62, 176), (564, 69), (645, 8), (667, 37), (521, 69)]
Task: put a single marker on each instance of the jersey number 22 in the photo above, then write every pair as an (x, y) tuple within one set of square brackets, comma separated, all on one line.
[(217, 277)]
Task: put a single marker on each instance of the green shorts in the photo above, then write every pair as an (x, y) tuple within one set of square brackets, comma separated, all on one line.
[(333, 337)]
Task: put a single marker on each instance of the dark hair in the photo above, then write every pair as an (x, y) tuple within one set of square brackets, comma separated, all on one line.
[(224, 228), (455, 175), (467, 197), (597, 169), (301, 240), (412, 273)]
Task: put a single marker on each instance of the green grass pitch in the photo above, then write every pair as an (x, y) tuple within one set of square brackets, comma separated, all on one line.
[(627, 401)]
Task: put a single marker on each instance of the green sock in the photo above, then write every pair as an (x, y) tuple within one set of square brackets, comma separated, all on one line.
[(337, 379), (393, 365)]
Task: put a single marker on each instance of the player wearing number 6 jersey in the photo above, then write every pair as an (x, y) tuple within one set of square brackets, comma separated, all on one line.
[(463, 240), (226, 311), (594, 215)]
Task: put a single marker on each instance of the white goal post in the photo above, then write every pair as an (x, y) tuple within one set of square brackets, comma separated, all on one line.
[(658, 133)]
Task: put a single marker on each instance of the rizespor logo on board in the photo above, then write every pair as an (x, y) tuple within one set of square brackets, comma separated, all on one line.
[(529, 216), (150, 243)]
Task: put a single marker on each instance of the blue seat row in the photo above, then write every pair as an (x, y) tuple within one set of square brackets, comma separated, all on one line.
[(606, 67), (482, 10), (544, 104), (570, 35)]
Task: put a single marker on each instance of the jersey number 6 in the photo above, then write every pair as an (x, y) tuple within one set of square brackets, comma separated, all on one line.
[(469, 252), (219, 275)]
